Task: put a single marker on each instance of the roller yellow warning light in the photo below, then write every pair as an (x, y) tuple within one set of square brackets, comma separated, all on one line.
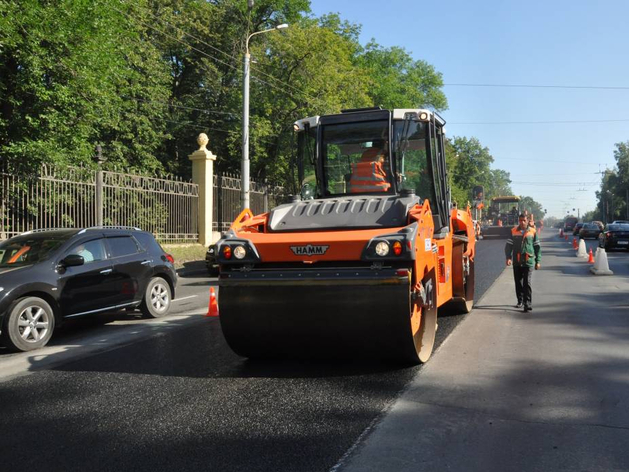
[(362, 260)]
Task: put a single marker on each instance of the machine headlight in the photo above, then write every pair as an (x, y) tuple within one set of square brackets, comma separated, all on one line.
[(382, 248), (240, 252), (1, 289)]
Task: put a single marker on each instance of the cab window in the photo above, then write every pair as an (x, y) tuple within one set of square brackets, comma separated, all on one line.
[(307, 145), (356, 158), (411, 159)]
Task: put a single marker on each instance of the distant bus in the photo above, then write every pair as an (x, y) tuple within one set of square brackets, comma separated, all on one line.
[(569, 223)]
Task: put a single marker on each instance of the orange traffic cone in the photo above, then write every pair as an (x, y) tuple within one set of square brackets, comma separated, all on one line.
[(213, 305), (591, 259), (561, 233), (566, 236), (575, 246)]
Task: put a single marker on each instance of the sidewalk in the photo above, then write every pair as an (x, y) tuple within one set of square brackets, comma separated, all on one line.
[(541, 391)]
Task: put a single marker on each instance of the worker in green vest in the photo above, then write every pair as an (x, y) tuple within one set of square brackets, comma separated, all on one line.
[(523, 251)]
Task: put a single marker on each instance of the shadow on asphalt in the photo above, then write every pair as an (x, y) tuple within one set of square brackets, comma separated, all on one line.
[(199, 350), (73, 330), (193, 269), (211, 281)]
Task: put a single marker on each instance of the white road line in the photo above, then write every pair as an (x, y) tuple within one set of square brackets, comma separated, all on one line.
[(184, 298)]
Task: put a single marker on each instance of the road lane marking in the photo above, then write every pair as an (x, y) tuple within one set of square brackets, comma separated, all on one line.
[(184, 298)]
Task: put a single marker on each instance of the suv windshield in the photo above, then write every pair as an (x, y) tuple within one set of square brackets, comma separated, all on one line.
[(26, 250), (356, 158)]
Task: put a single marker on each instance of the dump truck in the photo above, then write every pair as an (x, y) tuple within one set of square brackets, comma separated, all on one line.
[(502, 215), (361, 261)]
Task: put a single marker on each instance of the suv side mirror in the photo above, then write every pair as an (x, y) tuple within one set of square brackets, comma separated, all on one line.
[(72, 260)]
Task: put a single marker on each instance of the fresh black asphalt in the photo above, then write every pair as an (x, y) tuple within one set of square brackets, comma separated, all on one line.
[(183, 401)]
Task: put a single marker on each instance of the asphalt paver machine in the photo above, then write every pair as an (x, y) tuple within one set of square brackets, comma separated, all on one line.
[(361, 262), (502, 215)]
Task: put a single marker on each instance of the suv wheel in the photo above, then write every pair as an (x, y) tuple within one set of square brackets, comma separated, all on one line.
[(28, 324), (157, 298)]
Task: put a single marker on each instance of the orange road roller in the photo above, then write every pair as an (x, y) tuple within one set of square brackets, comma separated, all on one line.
[(359, 264)]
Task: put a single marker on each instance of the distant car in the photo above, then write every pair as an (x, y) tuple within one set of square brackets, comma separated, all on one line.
[(49, 276), (569, 223), (615, 236), (210, 261), (590, 230), (577, 228), (620, 222)]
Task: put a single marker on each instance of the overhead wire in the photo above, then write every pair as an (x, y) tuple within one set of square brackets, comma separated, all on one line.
[(229, 55), (171, 105), (276, 87), (556, 184), (622, 120), (199, 127), (137, 99), (550, 160), (586, 87), (183, 107)]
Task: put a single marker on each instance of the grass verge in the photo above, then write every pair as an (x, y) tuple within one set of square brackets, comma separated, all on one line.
[(183, 253)]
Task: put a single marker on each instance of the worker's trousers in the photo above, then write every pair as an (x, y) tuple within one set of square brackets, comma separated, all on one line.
[(523, 289)]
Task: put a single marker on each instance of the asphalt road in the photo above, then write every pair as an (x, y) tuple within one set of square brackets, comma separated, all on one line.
[(179, 399)]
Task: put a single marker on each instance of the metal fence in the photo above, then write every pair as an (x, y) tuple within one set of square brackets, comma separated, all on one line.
[(72, 197), (168, 208), (227, 199)]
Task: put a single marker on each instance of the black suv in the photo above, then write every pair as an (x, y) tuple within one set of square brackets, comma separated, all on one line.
[(47, 276)]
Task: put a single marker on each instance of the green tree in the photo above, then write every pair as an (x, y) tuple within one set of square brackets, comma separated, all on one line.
[(143, 78), (74, 73), (315, 76), (398, 81), (460, 195), (203, 44), (470, 165), (613, 196), (532, 206), (499, 183)]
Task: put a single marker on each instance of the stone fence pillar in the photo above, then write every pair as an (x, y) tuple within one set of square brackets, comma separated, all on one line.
[(203, 176)]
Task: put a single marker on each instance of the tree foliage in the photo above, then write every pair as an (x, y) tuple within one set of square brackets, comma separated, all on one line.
[(469, 164), (613, 196), (74, 74), (143, 78), (536, 208), (398, 81)]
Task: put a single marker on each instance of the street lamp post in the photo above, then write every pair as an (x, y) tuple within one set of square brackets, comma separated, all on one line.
[(245, 119), (608, 217)]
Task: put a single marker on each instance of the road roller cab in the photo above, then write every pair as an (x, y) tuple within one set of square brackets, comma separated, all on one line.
[(360, 262), (503, 215)]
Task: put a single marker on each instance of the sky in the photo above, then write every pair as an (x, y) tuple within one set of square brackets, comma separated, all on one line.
[(580, 43)]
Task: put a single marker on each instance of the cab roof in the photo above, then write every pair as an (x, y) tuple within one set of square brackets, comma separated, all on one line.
[(420, 114), (506, 199)]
